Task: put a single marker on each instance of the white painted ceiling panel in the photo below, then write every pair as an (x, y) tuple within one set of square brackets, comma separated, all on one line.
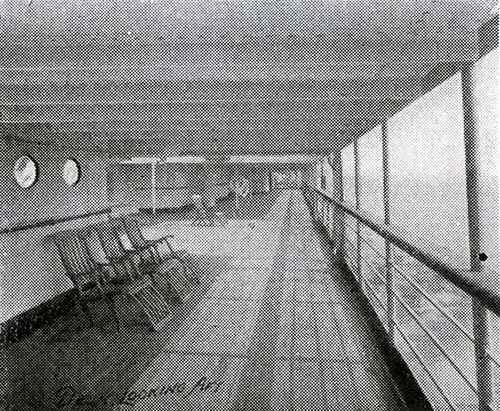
[(170, 59), (207, 20)]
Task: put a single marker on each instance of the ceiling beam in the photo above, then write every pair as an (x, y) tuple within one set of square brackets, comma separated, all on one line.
[(106, 21), (229, 143), (168, 111), (145, 128), (39, 91), (190, 75), (199, 142), (293, 58), (225, 168)]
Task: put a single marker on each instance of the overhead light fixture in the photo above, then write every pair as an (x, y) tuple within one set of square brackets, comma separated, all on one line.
[(141, 160), (182, 160), (165, 160), (290, 158)]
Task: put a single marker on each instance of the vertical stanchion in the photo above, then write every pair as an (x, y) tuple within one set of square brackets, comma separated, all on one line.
[(153, 187), (477, 216), (388, 271), (337, 213), (341, 214), (358, 224)]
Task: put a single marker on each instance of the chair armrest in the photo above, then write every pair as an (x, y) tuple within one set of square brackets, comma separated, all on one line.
[(137, 250), (100, 264), (116, 259), (99, 279), (165, 241), (133, 252), (159, 240)]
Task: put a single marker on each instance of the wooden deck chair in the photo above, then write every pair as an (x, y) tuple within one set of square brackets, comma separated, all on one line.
[(205, 215), (99, 281), (139, 242), (166, 275), (201, 215)]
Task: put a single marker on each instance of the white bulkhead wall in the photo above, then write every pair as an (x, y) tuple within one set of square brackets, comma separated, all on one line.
[(31, 271)]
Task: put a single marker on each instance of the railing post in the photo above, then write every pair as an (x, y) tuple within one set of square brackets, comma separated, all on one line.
[(388, 262), (331, 227), (477, 216), (339, 215), (153, 187), (358, 225)]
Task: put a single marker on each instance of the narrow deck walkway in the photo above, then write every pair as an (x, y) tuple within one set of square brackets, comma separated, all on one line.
[(273, 327)]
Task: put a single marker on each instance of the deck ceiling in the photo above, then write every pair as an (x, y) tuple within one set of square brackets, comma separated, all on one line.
[(145, 77)]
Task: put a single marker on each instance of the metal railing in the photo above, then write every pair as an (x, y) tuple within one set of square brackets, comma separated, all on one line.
[(323, 209)]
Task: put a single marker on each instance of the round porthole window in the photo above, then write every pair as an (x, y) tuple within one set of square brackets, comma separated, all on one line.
[(25, 171), (71, 172)]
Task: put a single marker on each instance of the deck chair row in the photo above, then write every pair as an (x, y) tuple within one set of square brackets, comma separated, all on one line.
[(150, 274)]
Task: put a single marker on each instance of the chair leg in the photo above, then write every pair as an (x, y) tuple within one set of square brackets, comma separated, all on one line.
[(162, 282), (188, 271), (111, 305), (172, 295), (86, 311), (179, 286), (153, 305), (192, 276)]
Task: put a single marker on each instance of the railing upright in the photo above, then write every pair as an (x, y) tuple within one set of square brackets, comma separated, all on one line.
[(358, 225), (388, 262), (477, 216)]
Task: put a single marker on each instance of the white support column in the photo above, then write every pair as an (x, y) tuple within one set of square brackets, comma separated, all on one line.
[(338, 214), (388, 267), (358, 224), (478, 218), (153, 187)]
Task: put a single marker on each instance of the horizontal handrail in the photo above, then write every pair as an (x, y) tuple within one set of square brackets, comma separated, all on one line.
[(411, 346), (54, 221), (424, 328), (488, 296), (417, 287), (422, 292)]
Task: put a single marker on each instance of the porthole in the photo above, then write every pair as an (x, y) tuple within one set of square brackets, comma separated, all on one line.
[(25, 171), (71, 172)]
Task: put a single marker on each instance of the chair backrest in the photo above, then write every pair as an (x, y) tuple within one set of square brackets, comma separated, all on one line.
[(110, 240), (114, 271), (76, 260), (91, 238), (134, 232)]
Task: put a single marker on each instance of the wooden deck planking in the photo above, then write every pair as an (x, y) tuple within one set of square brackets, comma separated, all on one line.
[(284, 341), (308, 386), (275, 326), (340, 392), (280, 398), (330, 342), (306, 344)]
